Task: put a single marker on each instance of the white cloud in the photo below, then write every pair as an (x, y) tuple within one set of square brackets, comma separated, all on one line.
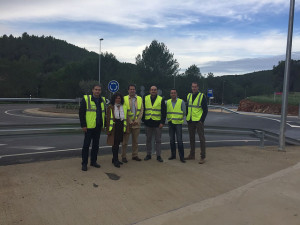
[(189, 51), (164, 21), (137, 14), (243, 66)]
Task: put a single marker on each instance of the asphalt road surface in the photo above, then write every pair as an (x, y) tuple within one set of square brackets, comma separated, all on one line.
[(38, 147)]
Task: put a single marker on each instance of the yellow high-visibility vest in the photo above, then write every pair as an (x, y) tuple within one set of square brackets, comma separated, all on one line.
[(91, 108), (111, 122), (175, 115), (138, 110), (194, 108), (153, 111)]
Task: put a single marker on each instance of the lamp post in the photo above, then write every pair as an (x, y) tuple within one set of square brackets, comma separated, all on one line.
[(101, 39), (174, 80), (286, 79), (223, 93)]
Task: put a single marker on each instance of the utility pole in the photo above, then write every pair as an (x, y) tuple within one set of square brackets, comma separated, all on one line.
[(286, 79), (223, 93), (101, 39)]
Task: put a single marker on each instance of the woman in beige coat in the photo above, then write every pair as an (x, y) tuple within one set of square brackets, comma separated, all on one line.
[(116, 118)]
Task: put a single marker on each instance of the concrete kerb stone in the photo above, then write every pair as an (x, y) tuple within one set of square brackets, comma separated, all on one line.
[(38, 112)]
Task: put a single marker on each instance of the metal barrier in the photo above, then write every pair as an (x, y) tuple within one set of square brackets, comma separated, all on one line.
[(262, 135), (46, 100), (222, 108), (74, 128), (28, 100)]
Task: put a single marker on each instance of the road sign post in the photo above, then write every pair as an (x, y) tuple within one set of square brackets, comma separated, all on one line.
[(210, 95)]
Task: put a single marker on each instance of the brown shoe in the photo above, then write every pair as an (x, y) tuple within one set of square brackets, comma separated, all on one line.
[(124, 160), (136, 158), (190, 157), (202, 161)]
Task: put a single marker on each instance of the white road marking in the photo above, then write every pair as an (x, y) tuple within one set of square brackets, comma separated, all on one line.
[(41, 129), (106, 146), (277, 120), (41, 117), (287, 123), (37, 148), (2, 144), (34, 153)]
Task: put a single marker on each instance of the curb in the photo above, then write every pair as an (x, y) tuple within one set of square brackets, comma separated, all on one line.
[(37, 112)]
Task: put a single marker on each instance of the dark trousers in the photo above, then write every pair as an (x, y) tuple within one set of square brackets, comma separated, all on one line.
[(176, 129), (199, 128), (115, 150), (118, 138), (91, 134)]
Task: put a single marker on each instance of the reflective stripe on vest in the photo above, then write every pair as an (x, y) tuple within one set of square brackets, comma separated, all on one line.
[(112, 122), (175, 115), (91, 109), (138, 110), (153, 111), (194, 108)]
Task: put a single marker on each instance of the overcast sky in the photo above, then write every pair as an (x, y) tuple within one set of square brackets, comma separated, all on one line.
[(216, 35)]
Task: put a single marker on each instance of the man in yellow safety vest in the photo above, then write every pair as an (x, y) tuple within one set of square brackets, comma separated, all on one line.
[(196, 114), (175, 116), (135, 109), (154, 119), (92, 120)]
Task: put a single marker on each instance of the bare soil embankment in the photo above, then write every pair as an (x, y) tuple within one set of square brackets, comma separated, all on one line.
[(269, 108)]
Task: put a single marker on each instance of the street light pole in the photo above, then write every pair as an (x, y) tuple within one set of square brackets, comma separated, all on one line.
[(174, 80), (223, 93), (286, 78), (101, 39)]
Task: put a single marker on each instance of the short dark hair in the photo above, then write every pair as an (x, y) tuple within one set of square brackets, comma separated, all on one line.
[(97, 85), (173, 89), (195, 83), (115, 95), (153, 86), (131, 85)]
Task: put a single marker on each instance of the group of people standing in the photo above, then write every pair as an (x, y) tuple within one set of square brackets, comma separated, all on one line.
[(123, 118)]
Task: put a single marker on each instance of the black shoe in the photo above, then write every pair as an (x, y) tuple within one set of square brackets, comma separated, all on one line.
[(120, 162), (159, 159), (95, 165), (172, 157), (147, 157), (84, 168), (182, 160), (124, 160), (116, 164), (136, 158)]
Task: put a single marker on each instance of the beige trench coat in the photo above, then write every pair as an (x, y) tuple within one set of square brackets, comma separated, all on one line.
[(111, 134)]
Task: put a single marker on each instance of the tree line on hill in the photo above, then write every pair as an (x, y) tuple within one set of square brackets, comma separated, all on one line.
[(50, 68)]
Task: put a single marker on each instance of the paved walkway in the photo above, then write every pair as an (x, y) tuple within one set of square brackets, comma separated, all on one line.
[(237, 185)]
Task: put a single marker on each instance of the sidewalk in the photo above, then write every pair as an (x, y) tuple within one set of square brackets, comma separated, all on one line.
[(237, 185)]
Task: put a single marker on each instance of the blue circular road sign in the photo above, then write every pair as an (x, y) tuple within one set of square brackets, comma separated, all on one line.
[(113, 86)]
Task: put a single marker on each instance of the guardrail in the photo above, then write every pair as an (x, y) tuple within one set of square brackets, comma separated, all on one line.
[(262, 135), (46, 100), (76, 100), (222, 108)]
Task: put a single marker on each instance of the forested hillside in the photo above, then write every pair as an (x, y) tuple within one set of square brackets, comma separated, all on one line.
[(48, 67), (51, 68)]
